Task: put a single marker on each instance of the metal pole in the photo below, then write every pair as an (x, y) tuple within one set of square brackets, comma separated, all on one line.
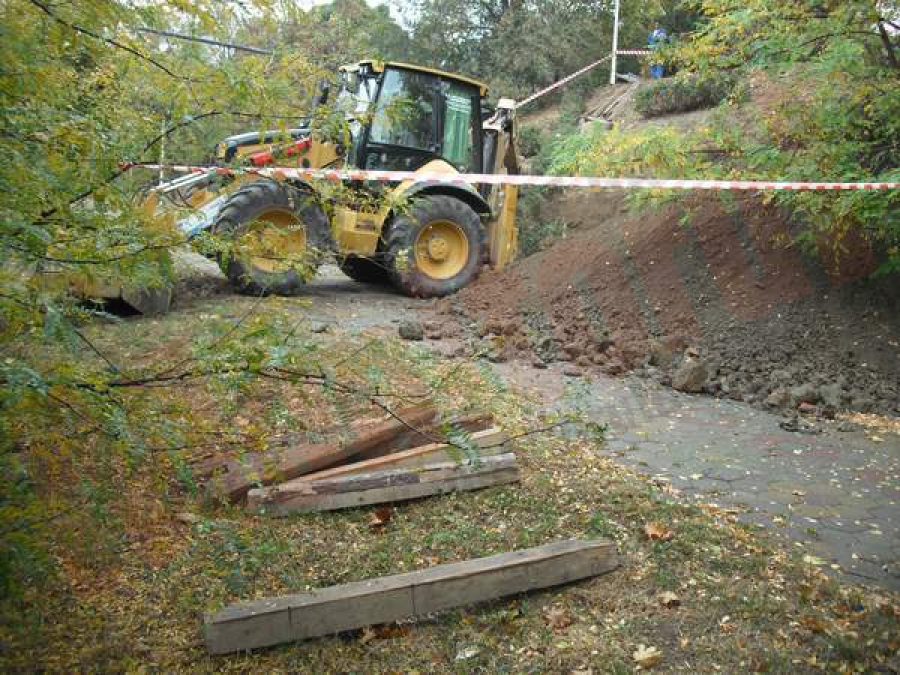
[(615, 45)]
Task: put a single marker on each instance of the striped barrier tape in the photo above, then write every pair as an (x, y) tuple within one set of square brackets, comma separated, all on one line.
[(634, 52), (520, 179), (561, 82)]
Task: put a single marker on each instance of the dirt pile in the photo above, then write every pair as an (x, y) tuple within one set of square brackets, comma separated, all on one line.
[(705, 293)]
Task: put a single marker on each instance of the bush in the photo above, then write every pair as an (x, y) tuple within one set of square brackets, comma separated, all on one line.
[(530, 140), (682, 93), (534, 228)]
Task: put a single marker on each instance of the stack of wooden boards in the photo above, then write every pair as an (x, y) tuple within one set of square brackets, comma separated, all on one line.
[(402, 456)]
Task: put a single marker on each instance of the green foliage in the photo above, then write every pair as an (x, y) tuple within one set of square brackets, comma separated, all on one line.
[(683, 93), (518, 46), (535, 227), (818, 102), (530, 140)]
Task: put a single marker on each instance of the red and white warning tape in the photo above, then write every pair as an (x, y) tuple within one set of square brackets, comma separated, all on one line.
[(561, 82), (507, 179), (634, 52)]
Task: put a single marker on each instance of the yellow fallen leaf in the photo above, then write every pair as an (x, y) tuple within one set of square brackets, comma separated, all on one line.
[(647, 657), (657, 532)]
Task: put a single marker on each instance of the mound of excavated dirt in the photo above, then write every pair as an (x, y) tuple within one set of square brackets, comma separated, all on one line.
[(701, 294)]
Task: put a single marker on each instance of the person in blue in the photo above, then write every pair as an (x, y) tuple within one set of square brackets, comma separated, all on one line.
[(658, 39)]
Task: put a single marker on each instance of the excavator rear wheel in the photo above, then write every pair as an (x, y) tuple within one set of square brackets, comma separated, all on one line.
[(436, 248), (280, 234)]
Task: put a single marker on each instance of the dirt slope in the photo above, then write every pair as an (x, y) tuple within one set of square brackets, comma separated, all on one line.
[(764, 322)]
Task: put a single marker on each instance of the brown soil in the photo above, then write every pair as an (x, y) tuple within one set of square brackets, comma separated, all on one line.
[(631, 292)]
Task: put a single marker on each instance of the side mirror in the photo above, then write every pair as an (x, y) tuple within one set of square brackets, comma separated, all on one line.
[(324, 91)]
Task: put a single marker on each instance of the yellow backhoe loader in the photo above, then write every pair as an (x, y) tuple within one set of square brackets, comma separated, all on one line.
[(428, 238)]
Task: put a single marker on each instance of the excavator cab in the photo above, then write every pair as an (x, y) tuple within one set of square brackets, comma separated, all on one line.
[(403, 117)]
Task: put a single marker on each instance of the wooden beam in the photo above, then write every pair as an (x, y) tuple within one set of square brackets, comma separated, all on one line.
[(264, 623), (380, 487), (489, 442), (281, 463)]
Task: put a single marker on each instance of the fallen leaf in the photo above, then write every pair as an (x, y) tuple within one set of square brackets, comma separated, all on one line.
[(647, 657), (381, 517), (557, 618), (467, 653), (657, 532), (669, 599)]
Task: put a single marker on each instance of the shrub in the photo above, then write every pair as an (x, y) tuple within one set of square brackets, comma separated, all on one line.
[(682, 93), (530, 140)]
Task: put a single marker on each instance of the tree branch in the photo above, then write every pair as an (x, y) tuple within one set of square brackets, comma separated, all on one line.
[(106, 40)]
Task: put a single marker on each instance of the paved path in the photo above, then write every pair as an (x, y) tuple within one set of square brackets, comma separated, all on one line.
[(835, 494)]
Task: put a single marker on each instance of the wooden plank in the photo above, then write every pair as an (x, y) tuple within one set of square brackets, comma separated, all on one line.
[(234, 484), (411, 438), (279, 463), (264, 623), (489, 441), (385, 486)]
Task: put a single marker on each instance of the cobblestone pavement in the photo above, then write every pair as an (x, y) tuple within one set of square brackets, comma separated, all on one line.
[(835, 494)]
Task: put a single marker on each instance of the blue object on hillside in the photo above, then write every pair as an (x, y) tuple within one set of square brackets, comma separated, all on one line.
[(657, 39)]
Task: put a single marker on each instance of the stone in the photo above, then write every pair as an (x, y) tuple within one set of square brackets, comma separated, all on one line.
[(614, 367), (539, 364), (572, 371), (690, 376), (779, 398), (805, 393), (807, 409), (318, 327), (832, 395), (411, 330), (661, 354)]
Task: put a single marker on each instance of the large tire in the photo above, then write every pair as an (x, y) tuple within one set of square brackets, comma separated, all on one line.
[(284, 220), (436, 248), (365, 270)]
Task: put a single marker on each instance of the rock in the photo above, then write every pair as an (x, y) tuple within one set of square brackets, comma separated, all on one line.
[(614, 367), (411, 330), (779, 398), (661, 354), (690, 376), (798, 425), (805, 393), (572, 371), (584, 362), (847, 426), (832, 395), (539, 364), (318, 327), (489, 327), (807, 409), (573, 349)]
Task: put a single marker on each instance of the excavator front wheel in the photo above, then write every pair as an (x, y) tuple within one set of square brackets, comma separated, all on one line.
[(436, 248), (279, 235)]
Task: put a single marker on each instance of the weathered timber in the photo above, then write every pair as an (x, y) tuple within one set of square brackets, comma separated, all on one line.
[(265, 469), (379, 487), (489, 442), (264, 623), (280, 463), (426, 434), (371, 435)]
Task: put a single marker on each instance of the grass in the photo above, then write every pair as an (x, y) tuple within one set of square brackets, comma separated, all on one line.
[(130, 595)]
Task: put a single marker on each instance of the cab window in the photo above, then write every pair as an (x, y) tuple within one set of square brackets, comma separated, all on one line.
[(405, 113), (458, 127)]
